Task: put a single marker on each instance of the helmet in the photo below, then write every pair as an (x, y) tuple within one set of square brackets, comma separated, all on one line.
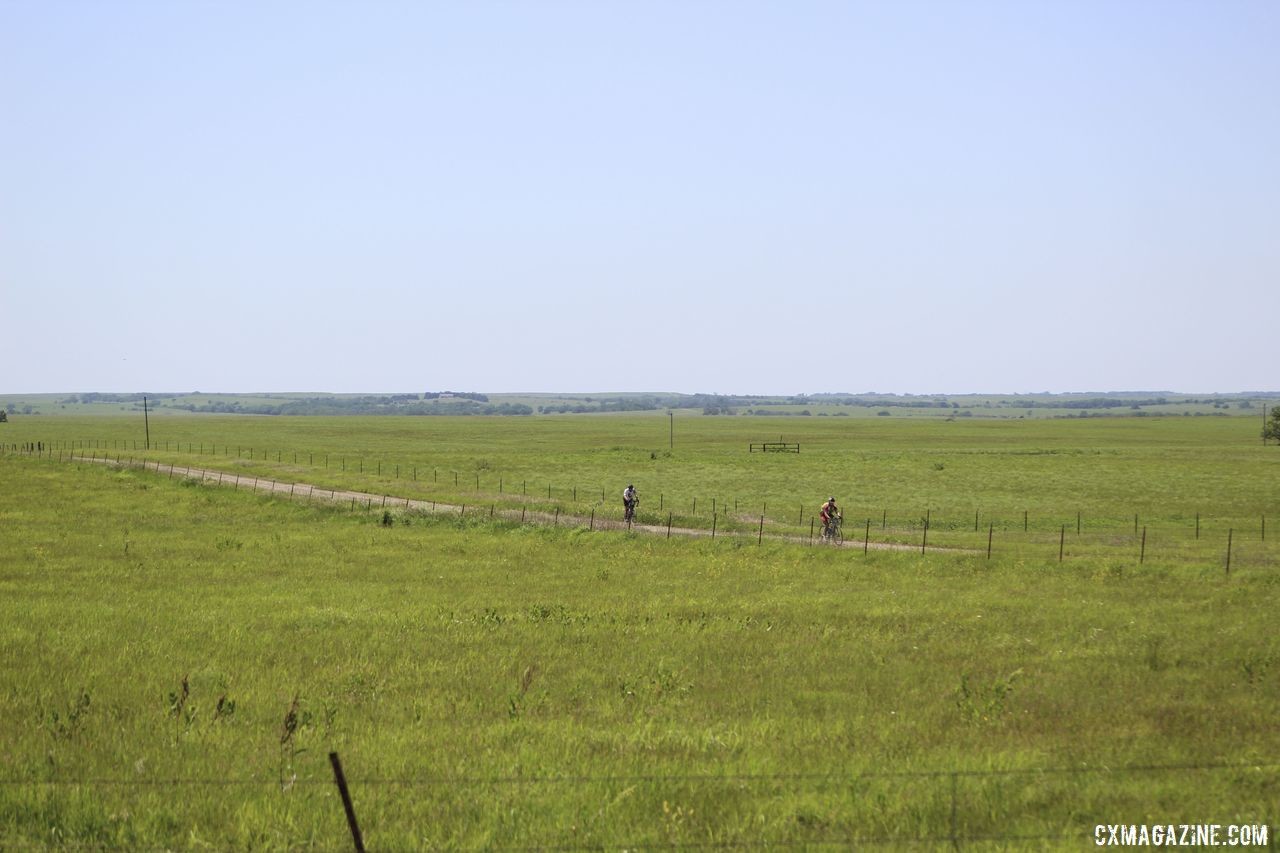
[(832, 498), (630, 485)]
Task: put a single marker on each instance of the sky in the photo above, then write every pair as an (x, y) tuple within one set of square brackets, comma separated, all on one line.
[(695, 196)]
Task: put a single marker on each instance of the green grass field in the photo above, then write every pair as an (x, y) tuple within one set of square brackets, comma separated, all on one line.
[(491, 684)]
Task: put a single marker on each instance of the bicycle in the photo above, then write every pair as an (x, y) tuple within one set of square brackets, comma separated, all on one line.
[(831, 530), (629, 515)]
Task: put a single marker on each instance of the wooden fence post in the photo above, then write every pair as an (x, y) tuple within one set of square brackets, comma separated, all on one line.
[(347, 806)]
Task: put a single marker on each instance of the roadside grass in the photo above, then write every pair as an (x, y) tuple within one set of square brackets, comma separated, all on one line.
[(493, 684)]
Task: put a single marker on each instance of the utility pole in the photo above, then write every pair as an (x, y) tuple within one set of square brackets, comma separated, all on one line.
[(146, 422)]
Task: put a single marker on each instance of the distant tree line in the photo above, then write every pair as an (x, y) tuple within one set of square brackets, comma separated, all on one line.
[(428, 403), (711, 404), (397, 404), (94, 397)]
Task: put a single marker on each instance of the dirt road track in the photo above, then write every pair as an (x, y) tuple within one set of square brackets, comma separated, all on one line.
[(369, 500)]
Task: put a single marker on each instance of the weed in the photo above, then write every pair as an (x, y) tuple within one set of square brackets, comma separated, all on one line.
[(225, 709), (65, 726), (984, 703), (183, 714), (1154, 662), (1255, 668), (289, 749), (516, 702)]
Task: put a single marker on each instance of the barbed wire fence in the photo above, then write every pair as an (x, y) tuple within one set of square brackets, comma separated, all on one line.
[(958, 823), (1053, 537)]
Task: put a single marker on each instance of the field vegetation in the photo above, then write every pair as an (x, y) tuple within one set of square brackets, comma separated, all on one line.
[(182, 656)]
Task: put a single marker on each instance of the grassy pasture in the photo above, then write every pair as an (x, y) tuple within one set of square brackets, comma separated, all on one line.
[(1093, 476), (489, 684)]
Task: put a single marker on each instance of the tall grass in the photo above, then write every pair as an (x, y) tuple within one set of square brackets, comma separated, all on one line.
[(493, 684)]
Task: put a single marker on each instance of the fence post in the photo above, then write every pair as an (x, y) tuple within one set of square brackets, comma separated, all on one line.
[(341, 782), (668, 525), (593, 519), (713, 525), (1229, 532), (955, 838), (866, 538), (991, 530), (760, 536), (1062, 542), (1142, 555)]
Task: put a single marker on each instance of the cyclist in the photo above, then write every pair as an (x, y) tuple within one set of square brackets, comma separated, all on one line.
[(630, 500), (829, 512)]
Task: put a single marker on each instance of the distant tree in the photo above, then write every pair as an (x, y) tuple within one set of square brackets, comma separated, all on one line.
[(1272, 429)]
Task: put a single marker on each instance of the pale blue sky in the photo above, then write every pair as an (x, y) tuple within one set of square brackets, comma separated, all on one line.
[(686, 196)]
